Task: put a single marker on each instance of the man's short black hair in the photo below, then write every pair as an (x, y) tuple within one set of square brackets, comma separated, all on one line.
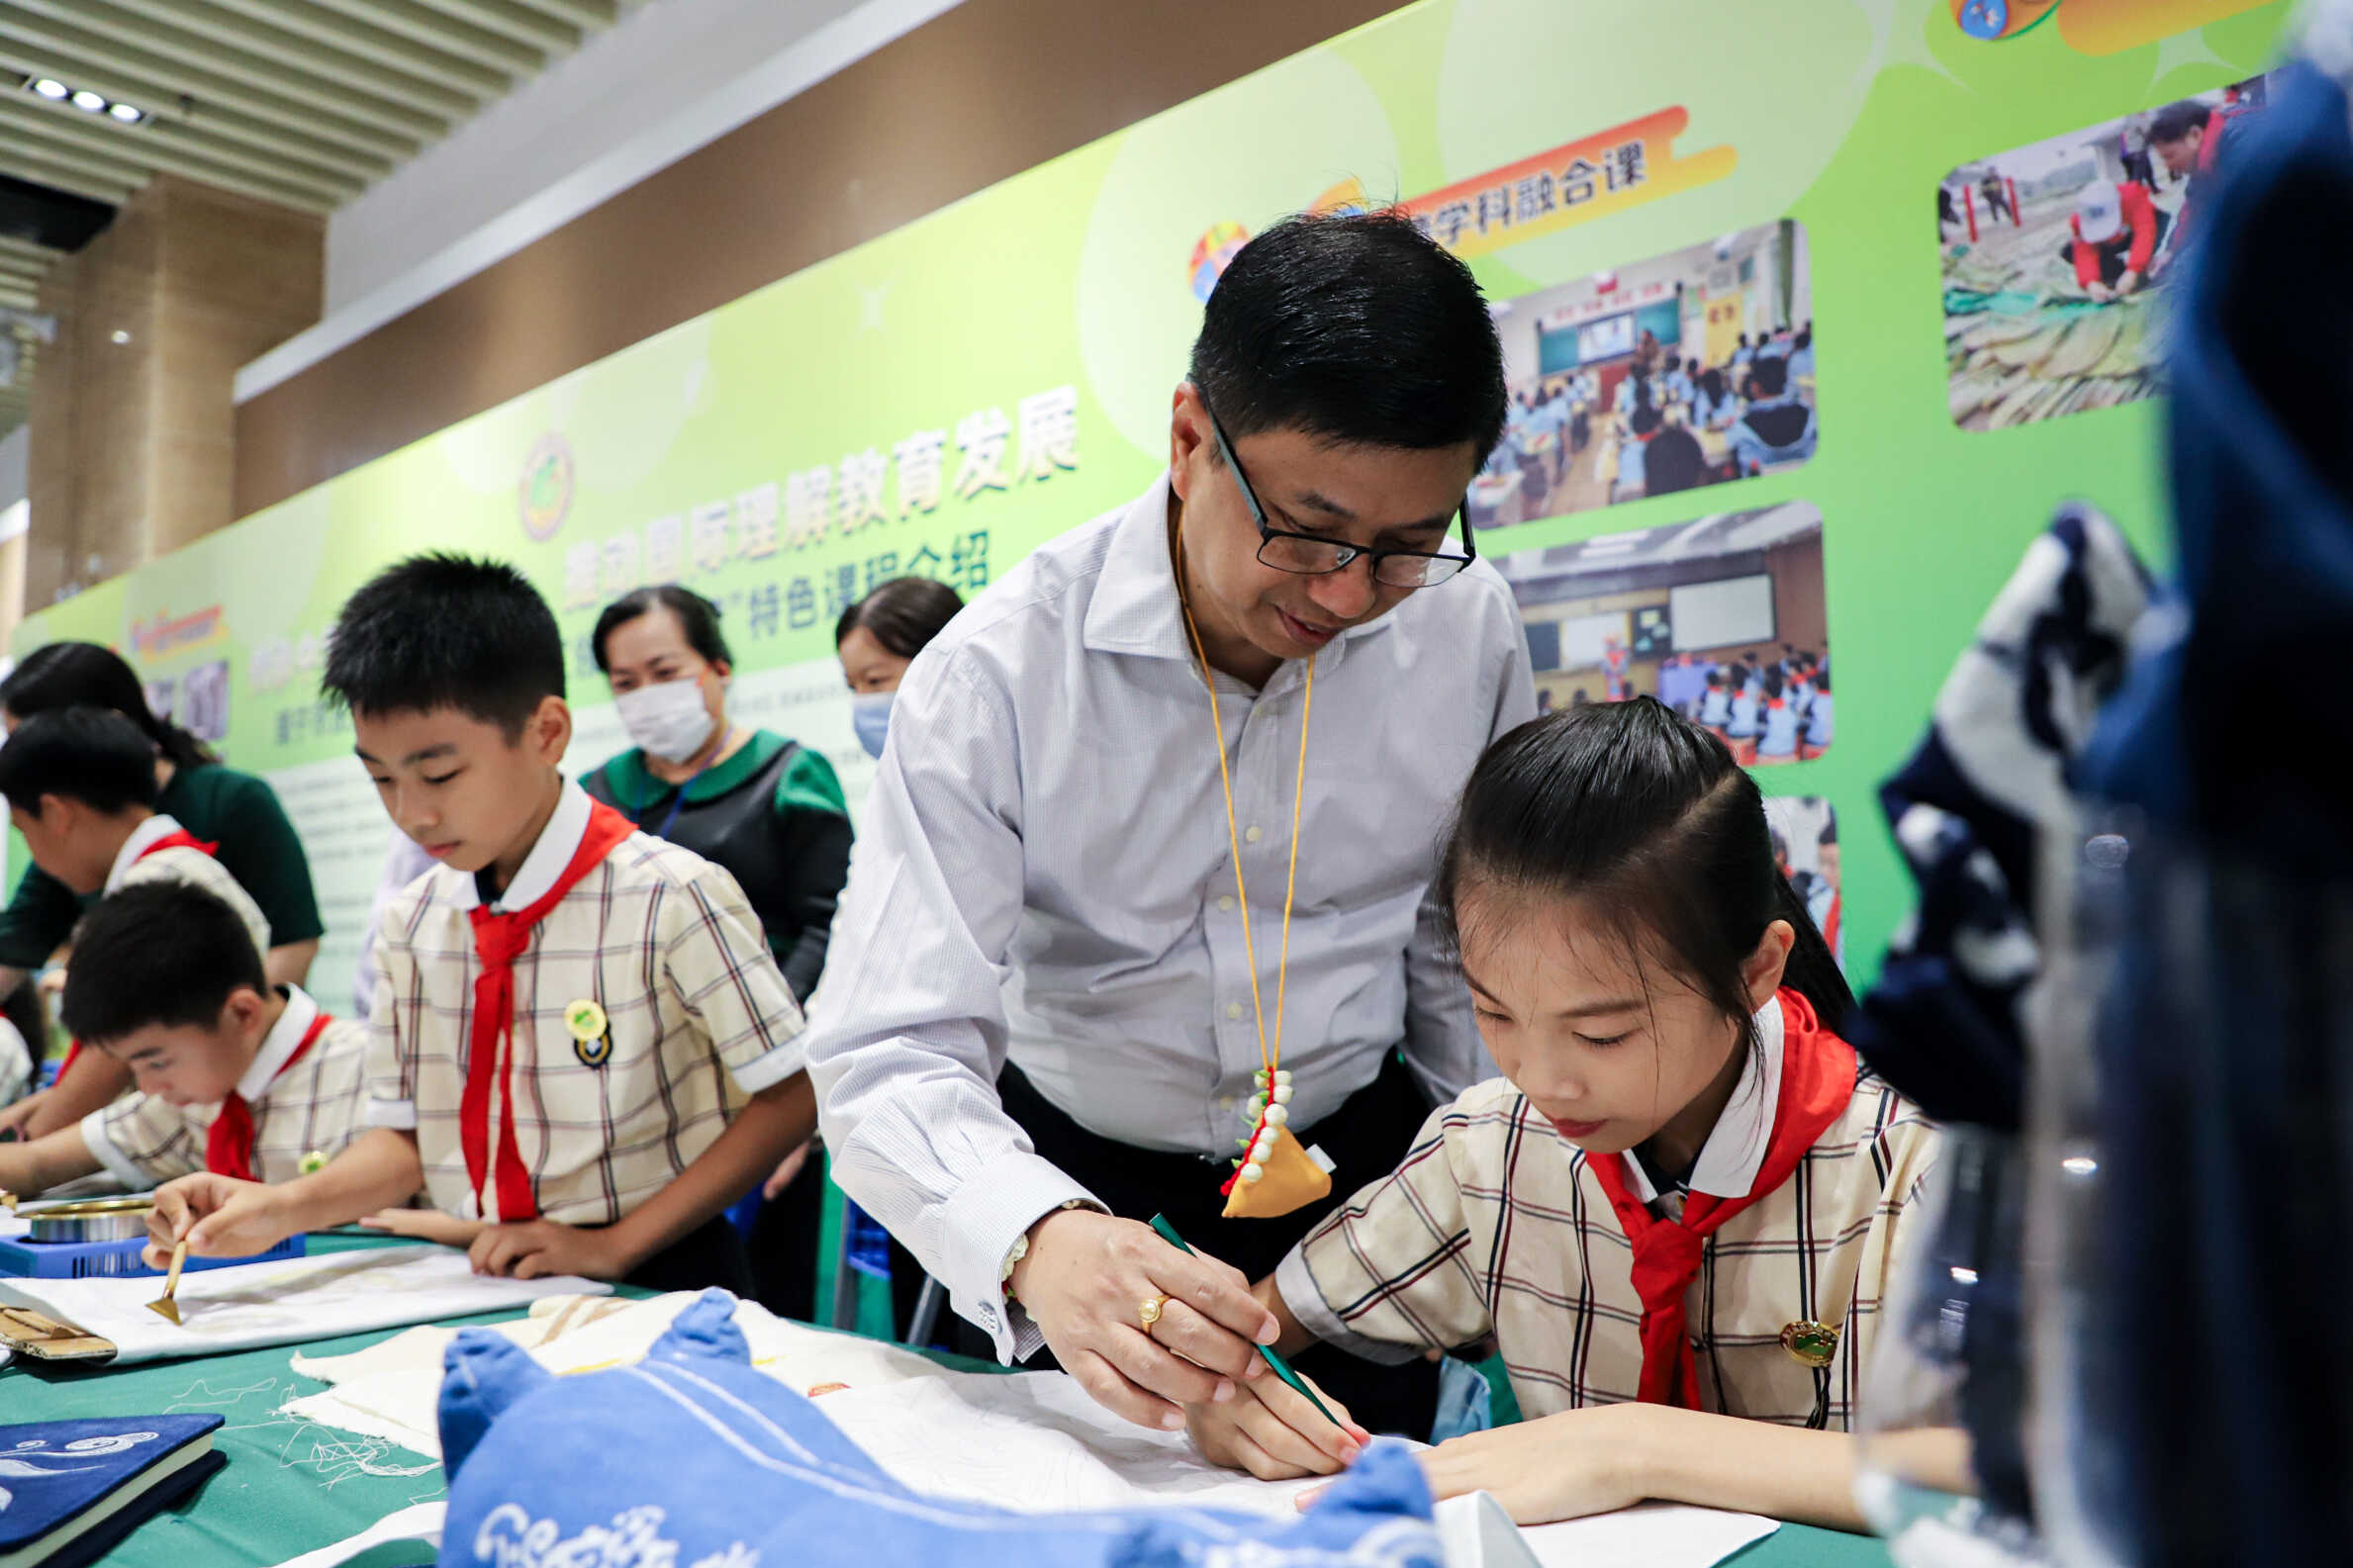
[(161, 953), (446, 630), (1359, 329), (2174, 122), (698, 618), (93, 755)]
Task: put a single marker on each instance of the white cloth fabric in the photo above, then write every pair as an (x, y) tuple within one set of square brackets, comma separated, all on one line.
[(249, 1306), (1043, 875)]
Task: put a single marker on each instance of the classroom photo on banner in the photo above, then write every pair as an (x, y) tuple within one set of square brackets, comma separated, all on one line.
[(1688, 369), (1805, 832), (2057, 257), (1723, 619)]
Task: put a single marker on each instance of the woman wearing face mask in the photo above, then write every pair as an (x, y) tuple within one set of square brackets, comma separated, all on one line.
[(767, 808), (878, 637)]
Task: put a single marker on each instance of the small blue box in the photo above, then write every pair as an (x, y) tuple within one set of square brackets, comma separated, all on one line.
[(113, 1259)]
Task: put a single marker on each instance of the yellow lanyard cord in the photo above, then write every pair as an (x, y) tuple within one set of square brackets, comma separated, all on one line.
[(1270, 1059)]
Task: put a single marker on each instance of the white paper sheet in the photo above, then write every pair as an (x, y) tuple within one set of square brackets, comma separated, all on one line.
[(1036, 1441), (251, 1305), (390, 1389)]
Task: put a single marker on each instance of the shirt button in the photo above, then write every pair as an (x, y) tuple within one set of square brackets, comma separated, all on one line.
[(1225, 905), (1254, 835), (1233, 1009)]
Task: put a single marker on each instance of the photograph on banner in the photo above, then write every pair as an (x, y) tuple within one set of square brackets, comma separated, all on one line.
[(2057, 256), (1722, 618), (1684, 370), (1806, 847)]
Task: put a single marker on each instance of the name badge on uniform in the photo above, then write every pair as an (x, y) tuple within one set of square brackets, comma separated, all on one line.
[(591, 1032)]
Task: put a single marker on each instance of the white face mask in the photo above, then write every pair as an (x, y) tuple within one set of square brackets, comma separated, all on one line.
[(669, 721)]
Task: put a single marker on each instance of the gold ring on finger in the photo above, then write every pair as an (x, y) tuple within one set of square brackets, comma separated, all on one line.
[(1149, 1311)]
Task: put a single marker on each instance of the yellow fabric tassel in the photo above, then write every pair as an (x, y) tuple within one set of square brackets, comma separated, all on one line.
[(1291, 1180)]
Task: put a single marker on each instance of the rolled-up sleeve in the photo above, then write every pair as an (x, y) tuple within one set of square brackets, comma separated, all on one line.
[(1394, 1273), (907, 1031), (722, 972)]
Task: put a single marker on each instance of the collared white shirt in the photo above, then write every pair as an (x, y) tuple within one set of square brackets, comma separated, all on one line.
[(663, 941), (1734, 1152), (1043, 875), (312, 1108), (134, 864)]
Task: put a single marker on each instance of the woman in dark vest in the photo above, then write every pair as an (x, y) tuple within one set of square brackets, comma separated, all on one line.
[(767, 808)]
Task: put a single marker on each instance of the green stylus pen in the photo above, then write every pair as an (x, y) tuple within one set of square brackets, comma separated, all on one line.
[(1282, 1368)]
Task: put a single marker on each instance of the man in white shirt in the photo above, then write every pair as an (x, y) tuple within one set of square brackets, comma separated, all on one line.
[(1040, 1019)]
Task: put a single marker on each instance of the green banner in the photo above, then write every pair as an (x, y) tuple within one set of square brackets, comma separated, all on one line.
[(1885, 193)]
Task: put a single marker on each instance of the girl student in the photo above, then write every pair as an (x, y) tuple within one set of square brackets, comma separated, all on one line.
[(1676, 1214)]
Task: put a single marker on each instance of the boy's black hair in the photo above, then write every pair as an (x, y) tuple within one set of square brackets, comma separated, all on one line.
[(1359, 329), (161, 953), (93, 755), (24, 1008), (446, 630), (696, 616), (1768, 377), (2174, 122)]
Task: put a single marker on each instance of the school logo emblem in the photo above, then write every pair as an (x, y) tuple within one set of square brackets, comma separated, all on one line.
[(544, 494), (1810, 1344), (591, 1032)]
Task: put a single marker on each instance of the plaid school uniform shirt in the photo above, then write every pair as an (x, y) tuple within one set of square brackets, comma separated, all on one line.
[(1495, 1226), (138, 861), (699, 1019), (309, 1108)]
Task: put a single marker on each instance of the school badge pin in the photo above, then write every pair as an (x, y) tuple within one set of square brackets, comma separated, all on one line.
[(1813, 1343), (591, 1031)]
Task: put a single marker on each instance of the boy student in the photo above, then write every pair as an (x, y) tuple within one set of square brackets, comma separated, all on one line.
[(582, 1047), (233, 1074)]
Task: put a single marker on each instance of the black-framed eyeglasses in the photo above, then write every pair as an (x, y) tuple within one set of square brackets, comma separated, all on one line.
[(1310, 555)]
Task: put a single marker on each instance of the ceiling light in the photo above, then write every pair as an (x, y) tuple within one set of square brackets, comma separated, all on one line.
[(49, 87), (121, 336), (129, 114), (84, 98)]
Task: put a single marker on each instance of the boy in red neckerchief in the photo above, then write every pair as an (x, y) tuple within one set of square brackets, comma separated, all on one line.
[(582, 1051), (233, 1074)]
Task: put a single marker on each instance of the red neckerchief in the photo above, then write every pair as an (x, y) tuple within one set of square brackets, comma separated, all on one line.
[(498, 940), (1816, 1081), (228, 1147), (182, 839)]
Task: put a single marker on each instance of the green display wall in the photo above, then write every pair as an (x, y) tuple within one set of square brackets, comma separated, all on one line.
[(948, 396)]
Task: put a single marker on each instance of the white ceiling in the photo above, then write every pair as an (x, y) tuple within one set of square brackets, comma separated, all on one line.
[(306, 103)]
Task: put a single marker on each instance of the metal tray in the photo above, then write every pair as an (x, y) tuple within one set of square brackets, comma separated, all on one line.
[(91, 1220)]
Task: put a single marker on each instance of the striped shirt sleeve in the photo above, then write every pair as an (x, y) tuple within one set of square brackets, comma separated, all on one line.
[(144, 1142), (725, 977), (1393, 1273)]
